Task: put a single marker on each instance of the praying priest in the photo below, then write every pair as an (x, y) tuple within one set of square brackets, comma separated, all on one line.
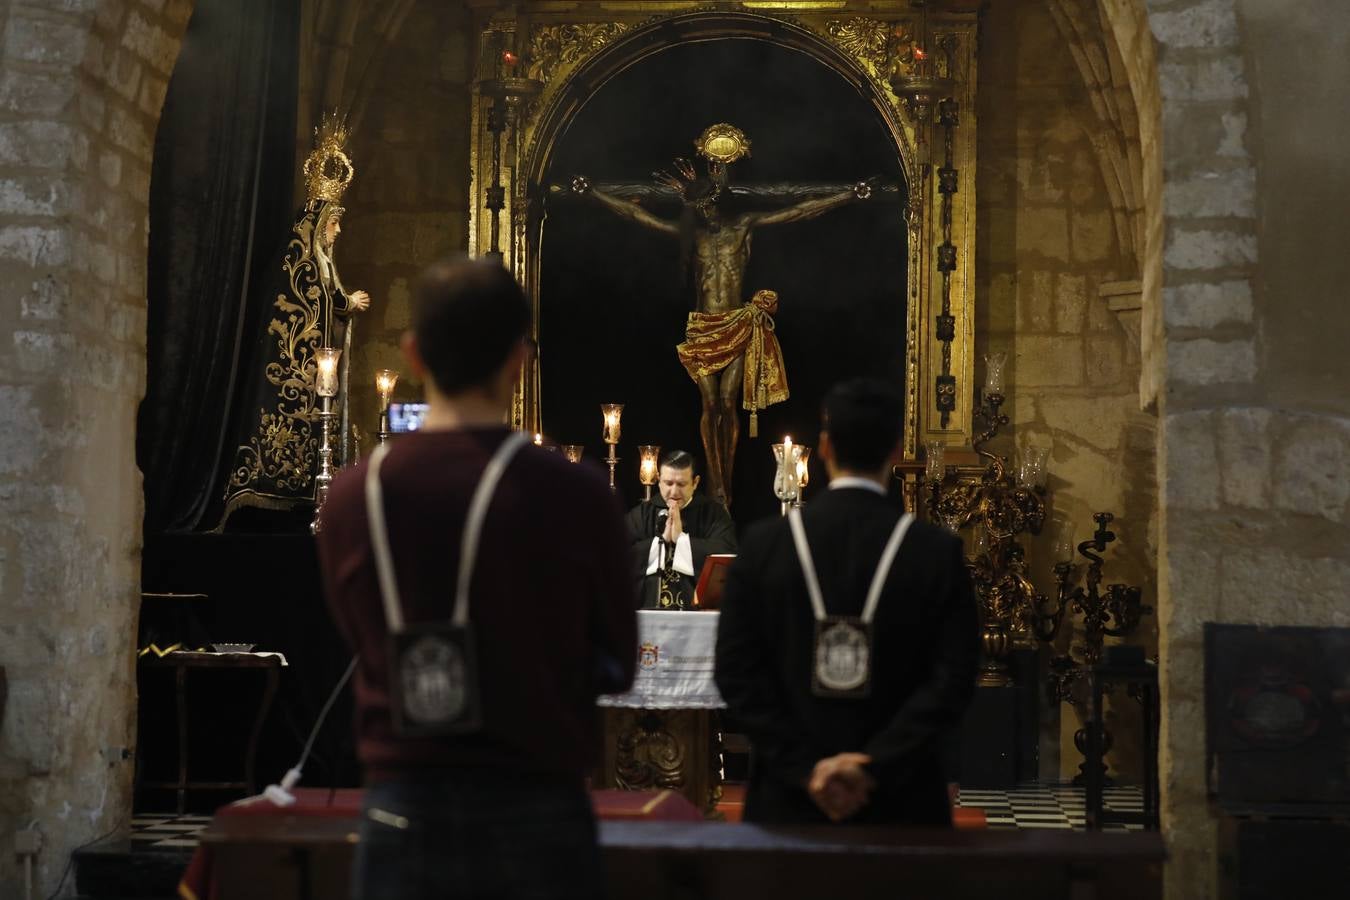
[(674, 533)]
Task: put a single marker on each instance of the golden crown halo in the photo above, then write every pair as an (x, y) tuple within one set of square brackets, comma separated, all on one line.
[(328, 169)]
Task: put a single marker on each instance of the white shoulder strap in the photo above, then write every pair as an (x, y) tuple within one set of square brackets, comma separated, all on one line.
[(878, 578), (473, 527)]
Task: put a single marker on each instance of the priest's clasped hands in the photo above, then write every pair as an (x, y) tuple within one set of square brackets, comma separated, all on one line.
[(840, 785), (674, 524)]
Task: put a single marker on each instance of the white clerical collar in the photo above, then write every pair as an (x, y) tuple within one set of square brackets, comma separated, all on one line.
[(853, 481)]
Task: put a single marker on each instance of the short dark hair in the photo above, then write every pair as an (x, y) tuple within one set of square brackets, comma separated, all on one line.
[(864, 418), (680, 459), (467, 315)]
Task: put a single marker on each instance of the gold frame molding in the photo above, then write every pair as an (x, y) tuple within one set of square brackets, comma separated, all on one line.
[(572, 47)]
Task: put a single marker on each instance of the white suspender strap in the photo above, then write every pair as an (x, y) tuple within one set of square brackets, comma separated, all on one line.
[(884, 566), (878, 578), (379, 542), (808, 567), (473, 527)]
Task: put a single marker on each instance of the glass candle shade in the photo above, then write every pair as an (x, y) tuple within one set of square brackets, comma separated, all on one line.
[(1064, 542), (1031, 473), (935, 461), (572, 452), (611, 412), (538, 439), (326, 378), (648, 458), (994, 366), (385, 379), (803, 471), (785, 474)]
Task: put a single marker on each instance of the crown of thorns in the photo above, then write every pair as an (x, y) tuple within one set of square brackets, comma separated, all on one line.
[(683, 180)]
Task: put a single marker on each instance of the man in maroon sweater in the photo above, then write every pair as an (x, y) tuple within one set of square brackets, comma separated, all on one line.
[(499, 811)]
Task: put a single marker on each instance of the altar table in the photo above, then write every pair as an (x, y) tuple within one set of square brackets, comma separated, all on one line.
[(665, 732)]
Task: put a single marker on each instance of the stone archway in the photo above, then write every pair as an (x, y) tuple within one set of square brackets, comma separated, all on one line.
[(1251, 477), (81, 87)]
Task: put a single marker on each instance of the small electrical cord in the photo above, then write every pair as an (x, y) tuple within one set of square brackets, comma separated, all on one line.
[(70, 860), (281, 794)]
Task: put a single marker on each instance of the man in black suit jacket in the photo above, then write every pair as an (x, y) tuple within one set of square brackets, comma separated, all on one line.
[(820, 754)]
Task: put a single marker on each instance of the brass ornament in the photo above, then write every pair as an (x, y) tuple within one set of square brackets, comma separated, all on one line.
[(722, 144), (328, 169)]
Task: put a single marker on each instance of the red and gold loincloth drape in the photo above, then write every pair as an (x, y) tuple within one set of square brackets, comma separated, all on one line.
[(714, 340)]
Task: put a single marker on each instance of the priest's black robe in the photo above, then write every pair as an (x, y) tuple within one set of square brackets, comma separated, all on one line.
[(710, 530)]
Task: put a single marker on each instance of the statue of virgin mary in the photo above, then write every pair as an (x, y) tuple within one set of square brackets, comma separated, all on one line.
[(274, 463)]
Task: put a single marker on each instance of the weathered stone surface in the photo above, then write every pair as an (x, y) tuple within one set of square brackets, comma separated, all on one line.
[(1210, 23), (1191, 462), (1047, 362), (1202, 78), (1094, 235), (1204, 362), (1230, 192), (1312, 466), (149, 41), (1070, 303), (1098, 421), (1204, 249), (1105, 361), (34, 244), (1208, 305), (1045, 230), (55, 42), (1035, 300), (1281, 587), (1244, 452)]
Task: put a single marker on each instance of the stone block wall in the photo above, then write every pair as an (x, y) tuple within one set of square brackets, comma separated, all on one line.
[(81, 86), (408, 205), (1047, 244)]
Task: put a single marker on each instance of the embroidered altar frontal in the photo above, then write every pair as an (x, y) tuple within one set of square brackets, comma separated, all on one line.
[(675, 663)]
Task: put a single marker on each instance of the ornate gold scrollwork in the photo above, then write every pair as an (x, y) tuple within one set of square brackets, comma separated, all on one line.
[(562, 46), (649, 755)]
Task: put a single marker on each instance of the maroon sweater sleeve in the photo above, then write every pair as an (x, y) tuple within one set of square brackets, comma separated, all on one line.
[(613, 616)]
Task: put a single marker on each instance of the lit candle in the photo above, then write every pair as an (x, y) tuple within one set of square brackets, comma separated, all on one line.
[(572, 452), (647, 465), (803, 471), (385, 379), (789, 468), (326, 380), (612, 412)]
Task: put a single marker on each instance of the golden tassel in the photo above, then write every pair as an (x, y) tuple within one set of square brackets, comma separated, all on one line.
[(754, 423)]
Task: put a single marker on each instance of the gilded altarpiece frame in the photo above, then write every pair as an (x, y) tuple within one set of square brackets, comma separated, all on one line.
[(569, 48)]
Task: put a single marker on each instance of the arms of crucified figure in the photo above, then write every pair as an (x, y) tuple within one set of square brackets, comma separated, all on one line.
[(625, 208), (809, 209)]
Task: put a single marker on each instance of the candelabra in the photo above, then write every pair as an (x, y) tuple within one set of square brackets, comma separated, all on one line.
[(385, 379), (1115, 613), (326, 386), (572, 452), (1000, 507), (610, 435), (649, 456)]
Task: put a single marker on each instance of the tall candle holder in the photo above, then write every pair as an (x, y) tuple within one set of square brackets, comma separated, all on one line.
[(326, 386), (785, 484), (1117, 613), (385, 379), (612, 412), (649, 456)]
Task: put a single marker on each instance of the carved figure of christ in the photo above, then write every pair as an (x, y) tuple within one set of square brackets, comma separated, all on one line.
[(720, 253)]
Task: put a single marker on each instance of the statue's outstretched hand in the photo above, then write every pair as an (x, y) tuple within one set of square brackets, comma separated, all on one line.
[(581, 184), (863, 189), (359, 301)]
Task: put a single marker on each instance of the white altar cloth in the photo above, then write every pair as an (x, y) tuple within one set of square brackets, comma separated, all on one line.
[(675, 663)]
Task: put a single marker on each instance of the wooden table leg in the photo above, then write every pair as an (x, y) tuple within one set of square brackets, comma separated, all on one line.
[(180, 690)]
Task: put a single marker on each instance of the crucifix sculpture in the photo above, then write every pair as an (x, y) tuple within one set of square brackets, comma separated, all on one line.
[(729, 346)]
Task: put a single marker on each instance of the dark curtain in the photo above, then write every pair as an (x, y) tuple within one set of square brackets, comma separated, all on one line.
[(220, 203)]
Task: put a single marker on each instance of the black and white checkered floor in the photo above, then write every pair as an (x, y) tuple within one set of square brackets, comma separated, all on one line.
[(1050, 806), (1028, 806)]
